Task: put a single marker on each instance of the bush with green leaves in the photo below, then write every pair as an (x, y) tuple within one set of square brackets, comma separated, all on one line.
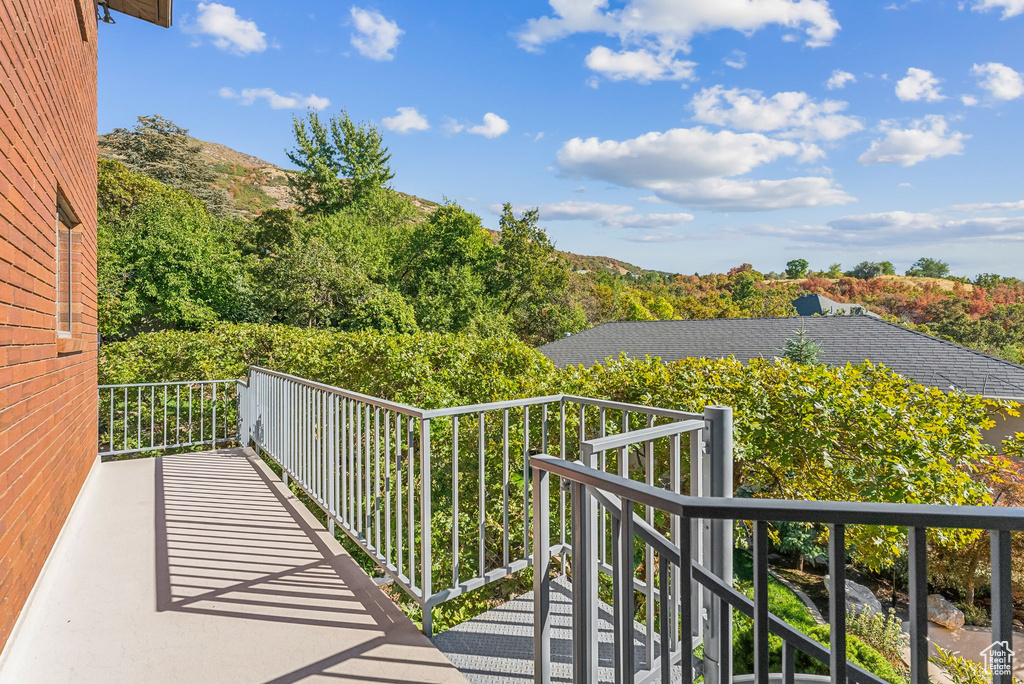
[(883, 633)]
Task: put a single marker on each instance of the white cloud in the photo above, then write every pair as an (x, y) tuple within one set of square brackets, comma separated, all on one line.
[(1001, 82), (988, 206), (492, 127), (229, 32), (407, 119), (248, 96), (794, 114), (670, 24), (1010, 8), (604, 214), (927, 138), (375, 36), (453, 126), (893, 228), (919, 84), (737, 59), (839, 79), (969, 100), (694, 166), (640, 65)]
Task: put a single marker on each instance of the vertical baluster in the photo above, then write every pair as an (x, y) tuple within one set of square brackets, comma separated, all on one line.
[(760, 572), (504, 486), (411, 536), (526, 482), (202, 414), (190, 414), (1002, 606), (481, 514), (916, 555), (837, 602), (684, 587), (368, 512), (455, 500), (213, 422), (602, 464), (138, 419), (398, 491), (376, 478), (544, 429), (177, 414), (164, 436), (387, 485), (359, 468), (426, 541), (622, 579), (112, 419), (152, 411), (665, 628), (649, 552), (584, 591), (676, 530), (561, 490), (788, 663), (343, 433), (541, 578)]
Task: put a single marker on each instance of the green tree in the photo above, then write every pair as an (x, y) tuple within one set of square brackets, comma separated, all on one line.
[(162, 150), (797, 268), (929, 268), (866, 270), (834, 271), (164, 261), (443, 272), (802, 349), (529, 275), (340, 162)]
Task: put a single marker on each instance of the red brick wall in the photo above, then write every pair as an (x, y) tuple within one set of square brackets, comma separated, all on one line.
[(47, 386)]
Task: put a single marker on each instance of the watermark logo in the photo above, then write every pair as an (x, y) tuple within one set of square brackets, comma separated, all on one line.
[(998, 658)]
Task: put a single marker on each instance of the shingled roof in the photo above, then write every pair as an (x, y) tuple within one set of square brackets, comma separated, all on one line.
[(844, 339)]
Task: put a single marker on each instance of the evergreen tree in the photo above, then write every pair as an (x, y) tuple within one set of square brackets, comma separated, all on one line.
[(802, 349), (164, 151)]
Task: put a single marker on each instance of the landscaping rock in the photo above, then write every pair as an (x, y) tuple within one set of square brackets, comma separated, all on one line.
[(859, 597), (942, 612)]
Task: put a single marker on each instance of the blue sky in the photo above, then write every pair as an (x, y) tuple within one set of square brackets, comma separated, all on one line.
[(683, 135)]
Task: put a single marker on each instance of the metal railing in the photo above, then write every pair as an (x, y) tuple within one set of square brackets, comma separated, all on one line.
[(683, 576), (151, 416), (362, 460)]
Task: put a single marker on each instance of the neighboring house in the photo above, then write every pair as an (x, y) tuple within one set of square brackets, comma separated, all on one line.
[(844, 339), (819, 305), (48, 344)]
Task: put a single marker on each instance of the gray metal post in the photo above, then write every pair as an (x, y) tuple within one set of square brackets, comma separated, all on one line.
[(584, 559), (541, 577), (718, 620), (426, 482)]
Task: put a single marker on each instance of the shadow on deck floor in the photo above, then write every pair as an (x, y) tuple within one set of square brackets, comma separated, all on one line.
[(202, 567)]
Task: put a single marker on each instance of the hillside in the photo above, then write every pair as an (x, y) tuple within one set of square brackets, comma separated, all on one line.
[(255, 185)]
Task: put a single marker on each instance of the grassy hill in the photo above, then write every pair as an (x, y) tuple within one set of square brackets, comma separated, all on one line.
[(255, 185)]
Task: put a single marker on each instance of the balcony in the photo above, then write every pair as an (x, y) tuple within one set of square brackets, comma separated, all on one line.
[(225, 564)]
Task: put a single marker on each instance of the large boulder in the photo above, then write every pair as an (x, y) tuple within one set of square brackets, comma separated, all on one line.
[(859, 598), (942, 612)]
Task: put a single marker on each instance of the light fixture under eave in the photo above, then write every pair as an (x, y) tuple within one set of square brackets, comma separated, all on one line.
[(106, 18)]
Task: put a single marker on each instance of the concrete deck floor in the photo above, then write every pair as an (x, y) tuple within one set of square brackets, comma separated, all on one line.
[(202, 567)]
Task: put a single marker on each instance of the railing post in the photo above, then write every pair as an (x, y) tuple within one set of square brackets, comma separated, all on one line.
[(584, 586), (541, 577), (425, 556), (1002, 608), (718, 620)]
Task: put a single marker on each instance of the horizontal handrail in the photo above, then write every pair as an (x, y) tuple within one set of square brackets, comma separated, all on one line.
[(646, 434), (348, 394), (169, 383), (633, 408), (491, 406), (790, 510)]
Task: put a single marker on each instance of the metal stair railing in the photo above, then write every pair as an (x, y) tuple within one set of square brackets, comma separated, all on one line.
[(590, 486)]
